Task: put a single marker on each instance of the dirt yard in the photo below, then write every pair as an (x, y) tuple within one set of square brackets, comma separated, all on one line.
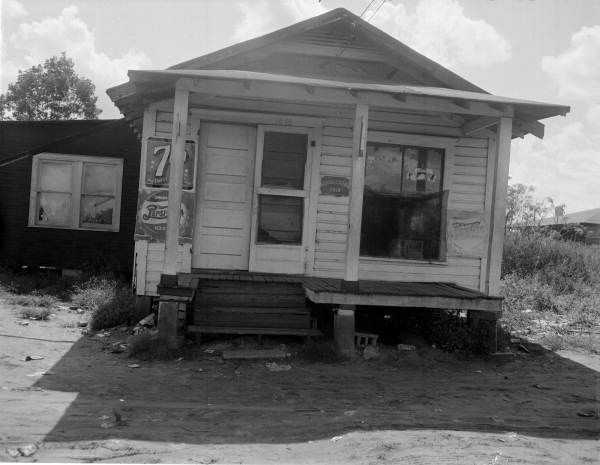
[(83, 403)]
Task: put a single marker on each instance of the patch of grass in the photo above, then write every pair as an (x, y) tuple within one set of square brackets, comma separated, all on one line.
[(320, 351), (31, 300), (148, 347), (37, 282), (585, 342), (32, 313), (111, 302)]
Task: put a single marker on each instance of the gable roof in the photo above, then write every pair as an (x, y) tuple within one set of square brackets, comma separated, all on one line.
[(351, 31), (585, 216)]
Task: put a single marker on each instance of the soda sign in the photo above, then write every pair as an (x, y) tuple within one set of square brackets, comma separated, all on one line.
[(152, 215), (158, 163)]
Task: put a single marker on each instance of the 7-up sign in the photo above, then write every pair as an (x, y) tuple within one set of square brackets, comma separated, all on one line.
[(158, 162)]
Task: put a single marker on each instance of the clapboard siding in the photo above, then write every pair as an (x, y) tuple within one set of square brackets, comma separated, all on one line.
[(154, 261), (164, 124)]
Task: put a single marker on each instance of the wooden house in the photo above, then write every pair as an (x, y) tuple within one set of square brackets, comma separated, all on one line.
[(329, 160), (68, 194), (587, 220)]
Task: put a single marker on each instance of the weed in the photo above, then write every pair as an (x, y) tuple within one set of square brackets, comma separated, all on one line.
[(110, 301), (31, 300), (32, 313)]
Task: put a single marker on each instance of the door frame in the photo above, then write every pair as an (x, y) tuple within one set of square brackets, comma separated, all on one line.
[(309, 194)]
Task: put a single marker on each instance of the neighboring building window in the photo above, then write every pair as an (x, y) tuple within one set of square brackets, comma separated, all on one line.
[(403, 204), (282, 188), (75, 192)]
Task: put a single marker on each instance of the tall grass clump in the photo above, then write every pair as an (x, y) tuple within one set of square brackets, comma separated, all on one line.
[(563, 265), (110, 301), (550, 286)]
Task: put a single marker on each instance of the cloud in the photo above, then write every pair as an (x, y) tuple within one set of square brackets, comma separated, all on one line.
[(440, 30), (564, 165), (12, 9), (39, 40), (264, 16), (576, 71)]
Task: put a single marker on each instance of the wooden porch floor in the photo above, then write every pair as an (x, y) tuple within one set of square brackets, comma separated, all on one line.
[(364, 292)]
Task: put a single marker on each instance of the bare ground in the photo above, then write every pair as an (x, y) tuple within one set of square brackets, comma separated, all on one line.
[(424, 407)]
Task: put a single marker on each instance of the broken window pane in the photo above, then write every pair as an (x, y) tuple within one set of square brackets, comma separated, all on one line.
[(97, 210), (284, 159), (98, 179), (53, 209), (280, 219), (55, 176)]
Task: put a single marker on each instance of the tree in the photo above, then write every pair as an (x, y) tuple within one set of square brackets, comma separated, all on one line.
[(52, 91), (522, 209)]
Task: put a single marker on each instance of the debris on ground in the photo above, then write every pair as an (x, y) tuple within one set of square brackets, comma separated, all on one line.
[(29, 358), (587, 413), (14, 453), (273, 366), (133, 365), (24, 323), (523, 348), (406, 347), (28, 450), (370, 352), (336, 438), (118, 347), (82, 323), (145, 325)]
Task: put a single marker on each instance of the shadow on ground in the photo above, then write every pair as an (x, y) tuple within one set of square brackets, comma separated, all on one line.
[(537, 394)]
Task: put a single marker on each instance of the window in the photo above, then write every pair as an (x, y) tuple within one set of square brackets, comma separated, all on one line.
[(403, 203), (281, 191), (75, 192)]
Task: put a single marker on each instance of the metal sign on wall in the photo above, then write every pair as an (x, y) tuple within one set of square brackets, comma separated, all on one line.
[(158, 163), (151, 221)]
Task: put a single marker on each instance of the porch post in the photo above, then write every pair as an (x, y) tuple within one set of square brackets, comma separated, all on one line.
[(498, 217), (344, 315), (359, 148), (180, 116)]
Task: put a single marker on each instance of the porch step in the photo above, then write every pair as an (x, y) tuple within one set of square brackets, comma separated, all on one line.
[(252, 330), (257, 318), (249, 294)]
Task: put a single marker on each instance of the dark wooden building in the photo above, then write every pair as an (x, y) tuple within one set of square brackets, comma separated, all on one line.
[(68, 193)]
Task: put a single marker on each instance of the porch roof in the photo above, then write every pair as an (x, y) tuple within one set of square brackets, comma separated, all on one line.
[(524, 109)]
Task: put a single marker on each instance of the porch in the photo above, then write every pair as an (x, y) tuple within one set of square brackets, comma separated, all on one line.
[(243, 302)]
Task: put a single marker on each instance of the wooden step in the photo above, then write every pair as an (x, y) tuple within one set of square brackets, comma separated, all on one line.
[(248, 300), (253, 310), (257, 319), (229, 287), (253, 330)]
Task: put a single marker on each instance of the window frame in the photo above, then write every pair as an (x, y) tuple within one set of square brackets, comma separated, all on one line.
[(77, 163), (447, 144)]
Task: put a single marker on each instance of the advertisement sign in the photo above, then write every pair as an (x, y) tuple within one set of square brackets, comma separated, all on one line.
[(151, 221), (158, 163), (337, 186), (467, 233)]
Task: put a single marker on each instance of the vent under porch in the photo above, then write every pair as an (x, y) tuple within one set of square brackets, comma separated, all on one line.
[(242, 302)]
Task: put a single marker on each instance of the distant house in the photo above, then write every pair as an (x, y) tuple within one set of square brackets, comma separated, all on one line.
[(68, 193), (330, 160), (588, 219)]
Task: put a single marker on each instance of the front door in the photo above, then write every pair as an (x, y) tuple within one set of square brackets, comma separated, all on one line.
[(224, 196), (281, 200)]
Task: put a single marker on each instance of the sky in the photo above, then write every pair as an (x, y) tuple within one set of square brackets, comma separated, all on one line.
[(545, 50)]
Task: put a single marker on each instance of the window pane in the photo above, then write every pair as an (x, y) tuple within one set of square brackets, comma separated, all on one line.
[(280, 220), (54, 209), (383, 171), (97, 210), (99, 179), (284, 159), (55, 176), (422, 170)]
